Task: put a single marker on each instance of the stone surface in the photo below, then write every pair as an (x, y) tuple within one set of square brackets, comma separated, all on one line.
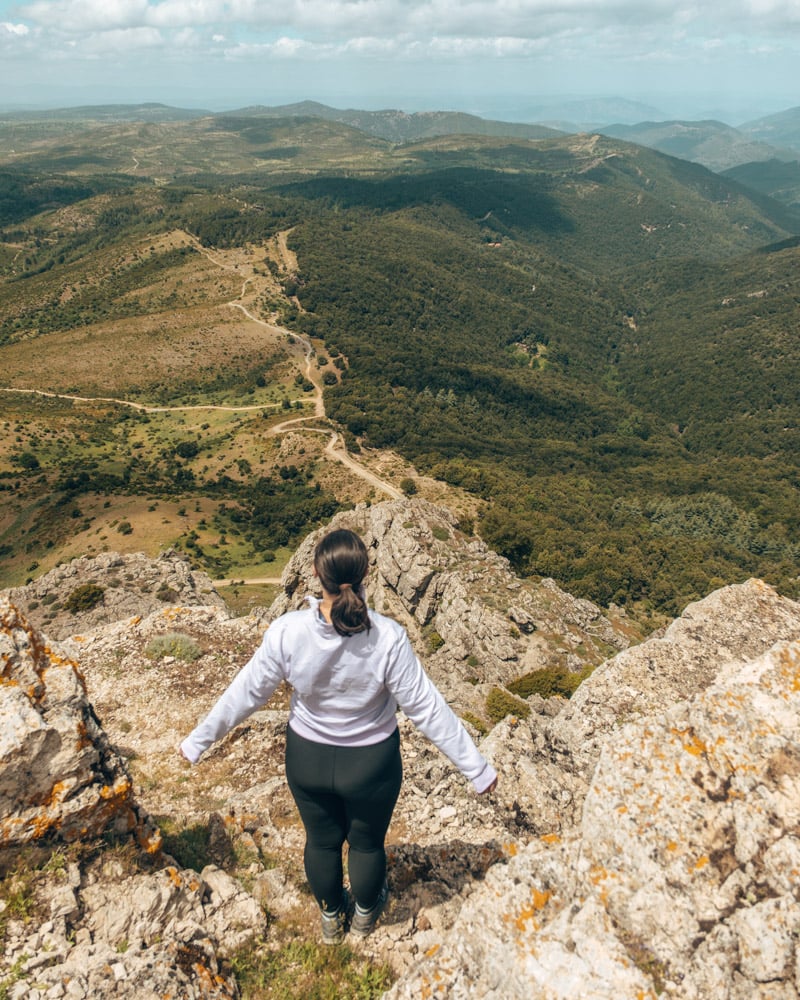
[(59, 777), (680, 878), (132, 585), (643, 839)]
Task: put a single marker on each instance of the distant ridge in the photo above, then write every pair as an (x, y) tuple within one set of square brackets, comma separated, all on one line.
[(782, 128), (146, 112), (400, 126), (711, 143)]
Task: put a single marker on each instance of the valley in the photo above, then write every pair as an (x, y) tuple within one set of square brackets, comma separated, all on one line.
[(272, 319)]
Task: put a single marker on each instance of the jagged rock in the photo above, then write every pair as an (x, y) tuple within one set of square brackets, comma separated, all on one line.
[(681, 876), (132, 585), (171, 903), (137, 936), (59, 776), (550, 760), (473, 620), (638, 841)]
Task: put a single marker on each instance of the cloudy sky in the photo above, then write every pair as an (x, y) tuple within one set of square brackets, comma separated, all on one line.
[(502, 58)]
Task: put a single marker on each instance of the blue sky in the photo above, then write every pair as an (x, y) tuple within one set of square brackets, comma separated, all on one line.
[(734, 59)]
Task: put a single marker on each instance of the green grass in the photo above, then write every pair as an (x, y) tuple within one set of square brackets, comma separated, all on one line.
[(187, 844), (310, 970)]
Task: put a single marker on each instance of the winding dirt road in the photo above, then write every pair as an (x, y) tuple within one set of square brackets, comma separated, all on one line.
[(335, 448)]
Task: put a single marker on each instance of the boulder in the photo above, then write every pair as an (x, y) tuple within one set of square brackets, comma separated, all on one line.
[(59, 777), (127, 586), (681, 876)]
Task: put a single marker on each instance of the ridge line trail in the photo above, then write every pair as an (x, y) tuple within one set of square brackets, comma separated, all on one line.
[(335, 448)]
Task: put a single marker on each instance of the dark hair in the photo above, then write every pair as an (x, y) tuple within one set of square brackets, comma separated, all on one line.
[(341, 562)]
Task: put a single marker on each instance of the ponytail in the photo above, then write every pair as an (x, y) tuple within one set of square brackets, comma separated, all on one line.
[(341, 563)]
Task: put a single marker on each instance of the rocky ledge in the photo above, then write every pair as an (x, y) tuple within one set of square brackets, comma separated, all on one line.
[(643, 841)]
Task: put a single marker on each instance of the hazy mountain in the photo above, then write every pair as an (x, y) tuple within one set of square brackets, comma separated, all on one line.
[(399, 126), (146, 112), (782, 129), (714, 144), (776, 178), (590, 115)]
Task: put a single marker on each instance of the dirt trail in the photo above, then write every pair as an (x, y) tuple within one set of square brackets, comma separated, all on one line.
[(143, 407), (335, 448)]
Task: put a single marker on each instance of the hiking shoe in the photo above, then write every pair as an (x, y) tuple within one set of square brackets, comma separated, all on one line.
[(334, 925), (363, 922)]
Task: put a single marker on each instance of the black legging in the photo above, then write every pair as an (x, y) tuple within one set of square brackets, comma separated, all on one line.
[(344, 793)]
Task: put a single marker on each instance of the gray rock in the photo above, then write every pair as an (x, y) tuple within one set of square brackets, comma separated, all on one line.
[(59, 776), (133, 585)]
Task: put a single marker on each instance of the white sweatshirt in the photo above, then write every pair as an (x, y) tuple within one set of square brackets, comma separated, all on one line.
[(346, 690)]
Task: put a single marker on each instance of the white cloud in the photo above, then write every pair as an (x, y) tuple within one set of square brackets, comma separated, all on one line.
[(544, 39), (120, 41), (81, 17), (14, 30)]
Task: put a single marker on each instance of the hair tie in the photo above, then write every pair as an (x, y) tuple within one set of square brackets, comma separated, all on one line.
[(345, 586)]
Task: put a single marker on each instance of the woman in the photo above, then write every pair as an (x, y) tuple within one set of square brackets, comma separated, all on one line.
[(350, 668)]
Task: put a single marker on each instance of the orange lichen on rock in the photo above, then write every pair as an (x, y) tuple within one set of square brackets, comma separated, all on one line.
[(174, 876), (691, 743)]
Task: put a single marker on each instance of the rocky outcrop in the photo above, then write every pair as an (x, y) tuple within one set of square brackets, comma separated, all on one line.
[(680, 875), (475, 623), (553, 755), (643, 840), (149, 933), (141, 936), (59, 778), (128, 585)]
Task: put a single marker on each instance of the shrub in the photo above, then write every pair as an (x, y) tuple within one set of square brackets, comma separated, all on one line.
[(500, 703), (125, 528), (435, 641), (475, 722), (187, 449), (408, 486), (549, 682), (182, 647), (26, 460), (84, 598)]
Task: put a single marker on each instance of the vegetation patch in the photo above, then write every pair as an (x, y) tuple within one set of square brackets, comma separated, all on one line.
[(182, 647), (84, 598), (308, 969), (500, 703), (187, 844), (550, 682)]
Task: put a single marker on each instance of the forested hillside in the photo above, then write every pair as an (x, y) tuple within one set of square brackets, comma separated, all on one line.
[(587, 336)]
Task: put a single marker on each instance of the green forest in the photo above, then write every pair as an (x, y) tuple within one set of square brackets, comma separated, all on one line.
[(596, 340)]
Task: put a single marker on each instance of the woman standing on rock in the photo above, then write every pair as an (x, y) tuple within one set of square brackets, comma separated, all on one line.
[(350, 668)]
